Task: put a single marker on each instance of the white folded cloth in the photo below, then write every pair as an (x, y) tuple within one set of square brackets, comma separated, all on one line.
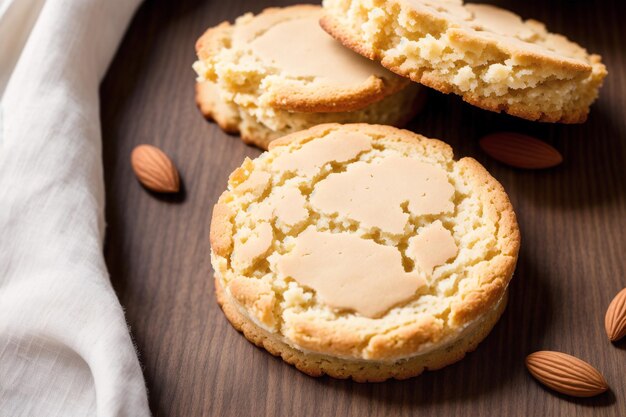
[(65, 349)]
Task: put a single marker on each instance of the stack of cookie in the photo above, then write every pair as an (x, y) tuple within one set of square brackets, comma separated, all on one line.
[(279, 72), (355, 249)]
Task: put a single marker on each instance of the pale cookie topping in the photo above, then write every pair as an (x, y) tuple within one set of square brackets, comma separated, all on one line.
[(488, 55), (434, 245), (256, 183), (348, 272), (307, 52), (286, 205), (402, 186), (312, 156), (383, 249)]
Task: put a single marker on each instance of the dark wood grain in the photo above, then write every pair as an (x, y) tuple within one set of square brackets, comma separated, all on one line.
[(573, 221)]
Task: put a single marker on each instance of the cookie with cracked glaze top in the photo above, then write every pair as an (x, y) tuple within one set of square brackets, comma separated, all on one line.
[(488, 55), (379, 261), (277, 72)]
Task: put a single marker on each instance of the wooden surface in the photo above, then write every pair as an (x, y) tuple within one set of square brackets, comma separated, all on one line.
[(573, 220)]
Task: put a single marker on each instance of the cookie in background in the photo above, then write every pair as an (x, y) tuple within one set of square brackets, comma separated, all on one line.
[(278, 72), (488, 55)]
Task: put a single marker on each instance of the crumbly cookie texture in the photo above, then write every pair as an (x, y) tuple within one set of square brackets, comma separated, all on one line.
[(279, 72), (305, 233), (489, 56), (316, 365), (395, 110)]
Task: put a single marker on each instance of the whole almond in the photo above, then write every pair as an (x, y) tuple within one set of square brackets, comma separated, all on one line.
[(615, 319), (520, 151), (566, 374), (154, 169)]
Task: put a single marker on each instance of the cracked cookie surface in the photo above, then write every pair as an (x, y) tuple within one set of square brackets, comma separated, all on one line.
[(278, 72), (367, 244), (489, 56)]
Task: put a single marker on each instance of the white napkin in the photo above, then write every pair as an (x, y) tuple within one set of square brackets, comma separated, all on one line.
[(65, 349)]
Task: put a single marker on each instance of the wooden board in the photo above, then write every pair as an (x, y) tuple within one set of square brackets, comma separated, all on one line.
[(573, 220)]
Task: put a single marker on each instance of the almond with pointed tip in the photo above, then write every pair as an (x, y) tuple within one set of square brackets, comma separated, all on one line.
[(615, 319), (566, 374), (520, 151), (154, 169)]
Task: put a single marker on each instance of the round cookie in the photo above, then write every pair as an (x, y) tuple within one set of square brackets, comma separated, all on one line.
[(363, 251), (278, 72), (487, 55)]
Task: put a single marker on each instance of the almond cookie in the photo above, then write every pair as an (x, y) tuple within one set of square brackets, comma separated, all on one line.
[(363, 251), (278, 72), (489, 56)]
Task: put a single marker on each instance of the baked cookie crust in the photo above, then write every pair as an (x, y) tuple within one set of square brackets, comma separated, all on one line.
[(462, 296), (317, 365), (487, 55)]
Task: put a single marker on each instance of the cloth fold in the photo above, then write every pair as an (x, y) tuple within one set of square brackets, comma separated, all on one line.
[(65, 349)]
